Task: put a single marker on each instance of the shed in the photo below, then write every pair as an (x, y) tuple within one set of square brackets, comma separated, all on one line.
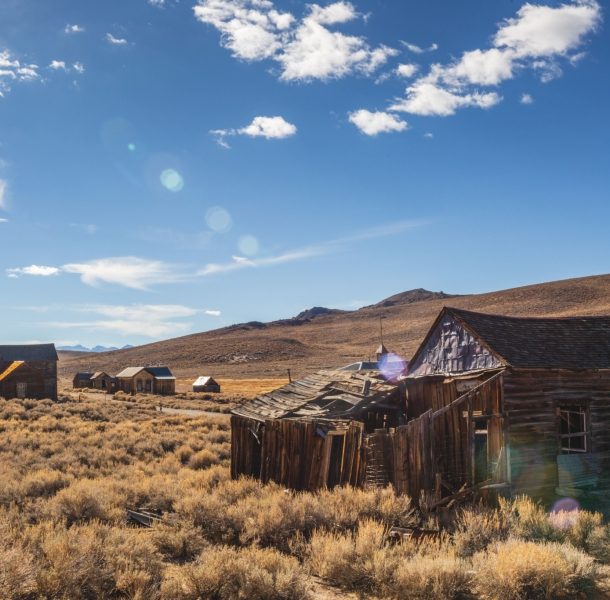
[(312, 433), (164, 380), (102, 381), (82, 380), (206, 384), (20, 380), (42, 357)]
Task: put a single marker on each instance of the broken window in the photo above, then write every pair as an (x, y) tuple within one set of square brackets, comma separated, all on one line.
[(572, 429)]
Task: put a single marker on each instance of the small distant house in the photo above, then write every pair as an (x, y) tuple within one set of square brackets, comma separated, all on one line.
[(206, 384), (102, 381), (35, 378), (146, 380), (82, 380)]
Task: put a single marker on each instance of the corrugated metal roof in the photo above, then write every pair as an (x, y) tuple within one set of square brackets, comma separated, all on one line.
[(325, 394), (161, 372), (10, 369), (203, 380), (28, 352)]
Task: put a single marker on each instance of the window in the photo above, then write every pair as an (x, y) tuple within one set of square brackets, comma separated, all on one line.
[(572, 429)]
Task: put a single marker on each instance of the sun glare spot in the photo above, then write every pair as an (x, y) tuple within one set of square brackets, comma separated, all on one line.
[(131, 147), (218, 219), (172, 180), (248, 245), (392, 366)]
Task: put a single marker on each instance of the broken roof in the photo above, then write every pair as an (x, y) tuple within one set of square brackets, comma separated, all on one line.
[(325, 394), (538, 342), (28, 352)]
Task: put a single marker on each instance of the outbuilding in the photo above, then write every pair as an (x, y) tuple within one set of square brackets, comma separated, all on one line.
[(82, 380), (102, 381), (146, 380), (206, 384), (42, 358)]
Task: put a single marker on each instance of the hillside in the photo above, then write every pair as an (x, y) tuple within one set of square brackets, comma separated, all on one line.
[(321, 338)]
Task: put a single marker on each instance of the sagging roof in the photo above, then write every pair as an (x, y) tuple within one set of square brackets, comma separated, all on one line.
[(28, 352), (160, 372), (539, 342), (10, 369), (323, 395), (203, 380)]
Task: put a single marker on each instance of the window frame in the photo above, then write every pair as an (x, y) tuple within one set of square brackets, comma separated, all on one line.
[(575, 431)]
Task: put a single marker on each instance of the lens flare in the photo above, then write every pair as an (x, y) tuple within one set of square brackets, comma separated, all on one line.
[(218, 219), (172, 180), (131, 147), (565, 505), (248, 245), (392, 366)]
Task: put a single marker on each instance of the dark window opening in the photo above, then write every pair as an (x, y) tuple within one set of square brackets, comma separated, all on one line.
[(481, 466), (572, 429), (336, 460)]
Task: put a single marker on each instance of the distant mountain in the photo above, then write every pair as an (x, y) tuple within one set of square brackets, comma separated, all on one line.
[(98, 348), (321, 338)]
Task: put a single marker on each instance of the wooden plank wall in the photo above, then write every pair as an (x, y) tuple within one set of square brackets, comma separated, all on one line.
[(531, 399), (245, 448)]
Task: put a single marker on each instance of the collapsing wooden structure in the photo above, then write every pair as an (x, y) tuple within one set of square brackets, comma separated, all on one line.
[(510, 404)]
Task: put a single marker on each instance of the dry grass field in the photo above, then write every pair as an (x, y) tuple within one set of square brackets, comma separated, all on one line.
[(69, 470), (267, 350)]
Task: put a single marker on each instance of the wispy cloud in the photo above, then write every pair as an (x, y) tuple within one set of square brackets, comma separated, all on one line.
[(73, 28), (305, 48), (13, 70), (374, 123), (115, 41), (270, 128), (3, 220), (526, 99), (3, 193), (36, 270), (418, 49)]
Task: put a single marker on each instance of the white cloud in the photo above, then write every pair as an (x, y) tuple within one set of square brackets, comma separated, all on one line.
[(79, 67), (157, 3), (536, 38), (526, 99), (73, 29), (428, 99), (57, 65), (428, 135), (129, 271), (3, 193), (12, 70), (3, 220), (36, 270), (212, 313), (373, 123), (267, 127), (539, 30), (406, 70), (305, 49), (418, 49), (115, 41)]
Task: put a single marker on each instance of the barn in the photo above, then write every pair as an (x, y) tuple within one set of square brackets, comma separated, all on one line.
[(147, 380), (311, 433), (36, 377), (206, 384)]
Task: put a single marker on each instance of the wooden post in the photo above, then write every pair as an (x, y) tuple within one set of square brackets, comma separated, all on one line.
[(289, 377)]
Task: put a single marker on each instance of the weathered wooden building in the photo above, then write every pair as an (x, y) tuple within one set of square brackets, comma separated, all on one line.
[(30, 371), (206, 384), (509, 404), (146, 380), (82, 380), (513, 401), (311, 433), (102, 381)]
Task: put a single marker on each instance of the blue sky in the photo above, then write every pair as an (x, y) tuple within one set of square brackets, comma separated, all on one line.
[(174, 166)]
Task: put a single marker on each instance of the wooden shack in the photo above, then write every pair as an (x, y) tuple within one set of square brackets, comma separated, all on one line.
[(508, 402), (311, 433), (82, 380), (40, 359), (146, 380), (20, 380), (206, 384), (102, 381)]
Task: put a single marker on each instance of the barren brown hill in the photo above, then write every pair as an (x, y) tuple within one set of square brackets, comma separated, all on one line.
[(320, 338)]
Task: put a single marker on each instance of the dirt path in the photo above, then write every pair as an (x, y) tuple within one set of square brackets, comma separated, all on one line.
[(189, 412)]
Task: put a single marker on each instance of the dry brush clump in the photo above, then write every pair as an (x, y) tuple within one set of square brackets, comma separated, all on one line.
[(69, 470)]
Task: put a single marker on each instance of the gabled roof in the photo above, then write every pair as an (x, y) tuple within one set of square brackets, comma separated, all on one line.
[(99, 374), (323, 395), (28, 352), (204, 380), (11, 369), (537, 342), (129, 372), (160, 372)]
